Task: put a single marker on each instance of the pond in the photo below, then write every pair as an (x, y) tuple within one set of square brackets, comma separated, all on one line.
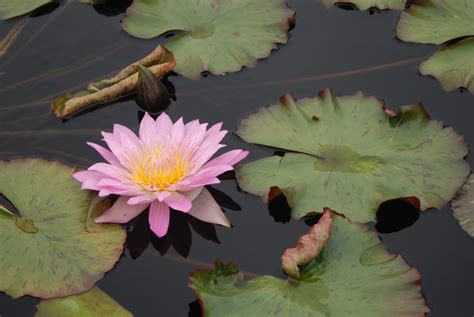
[(345, 50)]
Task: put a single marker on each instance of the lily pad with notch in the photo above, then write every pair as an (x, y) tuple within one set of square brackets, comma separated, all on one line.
[(354, 275), (50, 249), (217, 36), (352, 154)]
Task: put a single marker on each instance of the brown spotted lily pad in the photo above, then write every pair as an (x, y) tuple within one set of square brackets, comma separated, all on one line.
[(93, 303), (354, 275), (352, 154), (13, 8), (463, 206), (48, 250)]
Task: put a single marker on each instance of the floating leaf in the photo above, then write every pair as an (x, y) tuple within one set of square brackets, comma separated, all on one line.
[(48, 251), (367, 4), (14, 8), (352, 154), (463, 206), (94, 303), (10, 9), (452, 66), (353, 276), (217, 36), (159, 62), (435, 22), (309, 246)]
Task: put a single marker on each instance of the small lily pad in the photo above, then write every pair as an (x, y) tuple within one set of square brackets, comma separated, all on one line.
[(452, 66), (368, 4), (10, 9), (48, 250), (463, 206), (436, 22), (93, 303), (352, 154), (215, 36), (353, 276), (13, 8)]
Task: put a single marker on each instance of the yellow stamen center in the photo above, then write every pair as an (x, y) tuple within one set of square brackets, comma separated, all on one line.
[(156, 172)]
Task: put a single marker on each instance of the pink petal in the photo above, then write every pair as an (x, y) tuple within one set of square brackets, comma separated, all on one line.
[(110, 171), (147, 129), (159, 218), (89, 179), (193, 194), (106, 154), (120, 212), (142, 199), (163, 124), (177, 132), (206, 209), (178, 202), (161, 195), (229, 158), (124, 131)]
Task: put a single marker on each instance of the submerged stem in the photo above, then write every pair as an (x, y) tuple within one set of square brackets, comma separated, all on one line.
[(11, 36)]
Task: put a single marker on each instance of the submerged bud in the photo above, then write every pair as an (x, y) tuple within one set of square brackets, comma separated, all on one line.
[(152, 95)]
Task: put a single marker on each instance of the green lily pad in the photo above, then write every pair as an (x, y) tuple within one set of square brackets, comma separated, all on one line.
[(94, 303), (452, 66), (217, 36), (436, 22), (49, 251), (10, 9), (463, 206), (352, 154), (368, 4), (13, 8), (353, 276)]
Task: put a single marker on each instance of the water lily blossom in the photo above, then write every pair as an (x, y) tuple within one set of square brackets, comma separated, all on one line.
[(166, 166)]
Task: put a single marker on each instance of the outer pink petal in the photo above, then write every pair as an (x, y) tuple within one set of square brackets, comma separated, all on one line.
[(163, 124), (142, 199), (120, 212), (123, 130), (206, 209), (209, 173), (111, 171), (159, 218), (229, 158), (89, 179), (106, 154), (178, 202)]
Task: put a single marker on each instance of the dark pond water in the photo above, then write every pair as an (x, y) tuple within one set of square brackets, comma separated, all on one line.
[(345, 50)]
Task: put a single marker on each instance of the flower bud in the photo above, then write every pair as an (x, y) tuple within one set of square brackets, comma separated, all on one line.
[(152, 95)]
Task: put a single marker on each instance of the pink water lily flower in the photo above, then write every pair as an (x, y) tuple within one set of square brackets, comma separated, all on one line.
[(166, 165)]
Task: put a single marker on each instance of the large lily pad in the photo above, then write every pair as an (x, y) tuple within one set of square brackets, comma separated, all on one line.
[(352, 154), (93, 303), (368, 4), (453, 66), (217, 36), (353, 276), (48, 251), (463, 206), (435, 22)]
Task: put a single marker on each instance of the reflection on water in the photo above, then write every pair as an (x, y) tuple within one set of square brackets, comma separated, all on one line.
[(395, 215), (180, 230)]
